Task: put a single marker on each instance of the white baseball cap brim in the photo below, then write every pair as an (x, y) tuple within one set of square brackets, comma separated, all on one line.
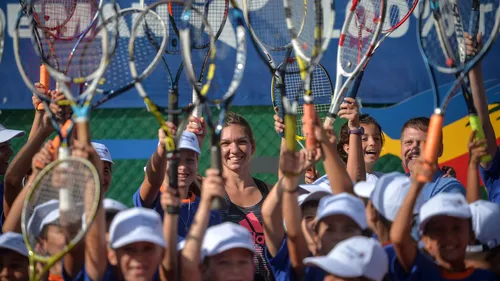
[(334, 267), (6, 134), (364, 189), (444, 204), (139, 234)]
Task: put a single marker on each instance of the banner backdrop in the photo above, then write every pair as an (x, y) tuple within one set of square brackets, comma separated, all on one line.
[(395, 73)]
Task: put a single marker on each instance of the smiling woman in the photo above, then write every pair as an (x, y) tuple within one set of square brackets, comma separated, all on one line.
[(244, 193)]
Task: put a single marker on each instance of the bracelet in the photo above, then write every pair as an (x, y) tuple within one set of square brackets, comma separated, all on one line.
[(173, 210)]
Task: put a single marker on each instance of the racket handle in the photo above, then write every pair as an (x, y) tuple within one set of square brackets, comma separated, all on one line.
[(309, 116), (329, 120), (277, 95), (45, 81), (474, 23), (290, 122), (83, 131), (476, 125), (353, 91), (173, 104), (218, 203), (197, 112), (431, 146)]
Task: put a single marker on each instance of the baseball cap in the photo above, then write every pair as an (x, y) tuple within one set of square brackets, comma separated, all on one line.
[(226, 236), (43, 215), (13, 241), (312, 192), (354, 257), (389, 193), (444, 204), (6, 134), (364, 189), (322, 181), (189, 141), (111, 205), (485, 224), (103, 152), (343, 204), (136, 225)]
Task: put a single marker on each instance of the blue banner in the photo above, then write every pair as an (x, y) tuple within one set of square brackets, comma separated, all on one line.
[(395, 73)]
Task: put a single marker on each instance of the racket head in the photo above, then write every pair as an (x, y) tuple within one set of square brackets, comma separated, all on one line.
[(322, 91), (214, 12), (70, 209), (397, 12)]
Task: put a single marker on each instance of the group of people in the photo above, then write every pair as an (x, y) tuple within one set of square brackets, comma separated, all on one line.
[(353, 223)]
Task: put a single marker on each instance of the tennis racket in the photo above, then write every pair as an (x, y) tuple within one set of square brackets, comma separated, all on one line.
[(443, 49), (59, 196), (309, 49), (266, 23), (358, 40), (224, 102), (117, 79), (397, 13), (159, 38)]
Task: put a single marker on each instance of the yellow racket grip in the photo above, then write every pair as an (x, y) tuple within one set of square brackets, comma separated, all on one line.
[(290, 125), (476, 125)]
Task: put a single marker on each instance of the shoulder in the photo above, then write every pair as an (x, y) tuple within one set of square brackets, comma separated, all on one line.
[(483, 274), (444, 184)]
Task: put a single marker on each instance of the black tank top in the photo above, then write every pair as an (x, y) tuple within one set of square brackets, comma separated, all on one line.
[(251, 219)]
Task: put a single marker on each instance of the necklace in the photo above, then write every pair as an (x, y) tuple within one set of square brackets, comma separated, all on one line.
[(185, 223)]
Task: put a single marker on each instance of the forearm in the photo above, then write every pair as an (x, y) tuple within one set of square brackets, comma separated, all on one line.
[(355, 160), (154, 176), (95, 247), (472, 192), (335, 170), (12, 222), (36, 124), (272, 219), (170, 260)]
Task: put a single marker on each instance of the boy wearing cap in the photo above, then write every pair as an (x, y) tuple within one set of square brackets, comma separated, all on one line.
[(107, 164), (355, 259), (445, 228), (150, 190), (13, 257)]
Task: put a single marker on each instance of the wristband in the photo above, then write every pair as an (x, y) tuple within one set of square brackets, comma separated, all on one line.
[(173, 210)]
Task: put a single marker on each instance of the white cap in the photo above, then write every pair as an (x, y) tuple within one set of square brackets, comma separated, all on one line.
[(354, 257), (103, 152), (312, 192), (485, 224), (43, 215), (189, 141), (13, 241), (113, 205), (136, 225), (364, 189), (6, 134), (343, 204), (323, 181), (226, 236), (444, 204), (389, 194)]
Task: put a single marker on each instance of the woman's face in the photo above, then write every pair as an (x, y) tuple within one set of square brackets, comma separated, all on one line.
[(236, 147), (371, 142), (188, 167)]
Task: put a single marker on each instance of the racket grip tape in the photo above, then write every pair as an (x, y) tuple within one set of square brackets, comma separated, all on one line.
[(45, 81), (290, 122), (431, 146), (173, 103), (353, 91), (218, 203), (309, 117), (476, 125), (281, 112)]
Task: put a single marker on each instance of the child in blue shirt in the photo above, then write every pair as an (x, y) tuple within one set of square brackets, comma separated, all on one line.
[(445, 228)]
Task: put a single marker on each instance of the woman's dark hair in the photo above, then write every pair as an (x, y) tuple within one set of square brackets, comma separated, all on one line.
[(344, 134), (235, 119)]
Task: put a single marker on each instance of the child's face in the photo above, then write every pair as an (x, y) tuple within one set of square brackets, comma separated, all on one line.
[(234, 264), (334, 229), (446, 238), (371, 142), (188, 166), (53, 241), (138, 261), (13, 266)]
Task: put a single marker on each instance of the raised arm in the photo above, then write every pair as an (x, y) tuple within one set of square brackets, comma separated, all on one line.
[(171, 204), (476, 151), (400, 232)]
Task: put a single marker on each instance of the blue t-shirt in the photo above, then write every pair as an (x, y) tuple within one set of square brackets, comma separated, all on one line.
[(491, 178), (441, 184), (282, 267), (187, 213), (426, 270)]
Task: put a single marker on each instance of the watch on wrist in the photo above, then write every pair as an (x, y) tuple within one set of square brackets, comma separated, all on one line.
[(359, 131)]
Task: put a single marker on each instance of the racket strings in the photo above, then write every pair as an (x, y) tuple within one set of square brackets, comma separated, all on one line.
[(361, 32), (62, 196), (53, 14), (215, 13), (321, 90), (268, 22), (305, 20), (397, 12)]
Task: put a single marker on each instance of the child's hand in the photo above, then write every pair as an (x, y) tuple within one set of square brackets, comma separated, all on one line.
[(213, 185), (349, 110), (449, 172), (279, 124), (477, 149), (197, 127), (471, 47), (311, 175), (170, 200), (293, 163), (42, 158)]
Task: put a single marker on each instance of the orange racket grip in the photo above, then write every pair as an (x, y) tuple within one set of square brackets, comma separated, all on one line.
[(45, 81), (431, 146), (309, 118), (56, 142)]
